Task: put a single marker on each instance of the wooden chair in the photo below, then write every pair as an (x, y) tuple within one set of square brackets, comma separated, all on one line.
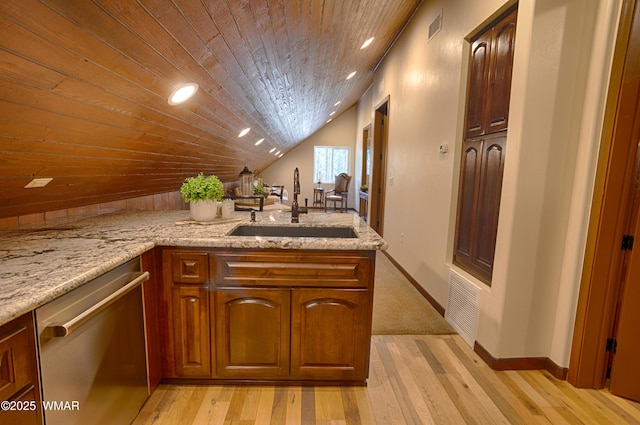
[(339, 193)]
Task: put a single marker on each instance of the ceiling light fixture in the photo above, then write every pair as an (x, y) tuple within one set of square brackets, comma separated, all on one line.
[(350, 76), (329, 120), (277, 153), (244, 132), (281, 155), (272, 149), (367, 43), (182, 93), (332, 113), (337, 103), (259, 141)]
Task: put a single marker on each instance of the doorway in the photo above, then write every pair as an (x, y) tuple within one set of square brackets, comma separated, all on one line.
[(611, 273), (379, 162)]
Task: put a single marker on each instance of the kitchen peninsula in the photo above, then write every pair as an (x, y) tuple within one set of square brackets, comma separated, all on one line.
[(234, 283)]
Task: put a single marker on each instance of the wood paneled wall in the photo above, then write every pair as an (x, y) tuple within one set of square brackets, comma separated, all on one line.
[(83, 89)]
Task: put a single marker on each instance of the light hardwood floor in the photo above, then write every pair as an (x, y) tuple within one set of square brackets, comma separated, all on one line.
[(413, 379)]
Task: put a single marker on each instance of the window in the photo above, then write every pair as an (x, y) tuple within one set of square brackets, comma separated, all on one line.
[(329, 161)]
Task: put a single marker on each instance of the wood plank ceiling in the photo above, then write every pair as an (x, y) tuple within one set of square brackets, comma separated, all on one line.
[(84, 87)]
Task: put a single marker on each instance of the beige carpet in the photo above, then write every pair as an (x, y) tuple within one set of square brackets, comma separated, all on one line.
[(398, 307)]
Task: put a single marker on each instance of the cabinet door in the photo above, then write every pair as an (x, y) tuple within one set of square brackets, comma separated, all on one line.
[(489, 193), (478, 79), (330, 334), (190, 306), (503, 36), (490, 69), (467, 200), (479, 204), (252, 332)]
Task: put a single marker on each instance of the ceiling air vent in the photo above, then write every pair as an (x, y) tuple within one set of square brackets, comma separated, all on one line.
[(435, 26)]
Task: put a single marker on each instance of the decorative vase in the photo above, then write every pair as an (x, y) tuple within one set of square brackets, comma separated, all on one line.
[(203, 210)]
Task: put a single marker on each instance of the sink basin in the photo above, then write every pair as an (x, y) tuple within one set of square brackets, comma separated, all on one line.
[(294, 231)]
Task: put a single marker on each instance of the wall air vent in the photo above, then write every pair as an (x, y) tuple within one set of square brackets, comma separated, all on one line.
[(463, 307), (435, 26)]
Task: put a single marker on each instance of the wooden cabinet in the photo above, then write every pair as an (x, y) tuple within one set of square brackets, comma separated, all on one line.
[(483, 153), (490, 70), (330, 333), (185, 303), (267, 315), (479, 204), (292, 315), (252, 333), (19, 382)]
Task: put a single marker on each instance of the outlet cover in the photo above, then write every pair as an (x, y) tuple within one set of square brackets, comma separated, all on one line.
[(41, 182)]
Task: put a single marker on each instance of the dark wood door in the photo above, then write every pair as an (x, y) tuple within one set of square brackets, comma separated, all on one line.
[(479, 204), (468, 192), (490, 69), (478, 81), (191, 331), (489, 191), (503, 36), (329, 334), (252, 332)]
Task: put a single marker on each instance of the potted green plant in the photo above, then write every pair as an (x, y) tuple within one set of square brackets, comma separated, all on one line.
[(203, 193), (259, 190)]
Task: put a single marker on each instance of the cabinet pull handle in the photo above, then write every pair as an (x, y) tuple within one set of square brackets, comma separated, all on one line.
[(58, 330)]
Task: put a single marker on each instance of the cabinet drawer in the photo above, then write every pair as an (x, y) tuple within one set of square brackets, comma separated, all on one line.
[(293, 269), (28, 412), (16, 358), (190, 267)]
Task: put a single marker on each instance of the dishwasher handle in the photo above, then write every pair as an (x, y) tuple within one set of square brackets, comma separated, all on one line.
[(58, 330)]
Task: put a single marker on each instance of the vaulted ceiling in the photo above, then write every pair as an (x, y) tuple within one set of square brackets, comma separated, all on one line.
[(84, 87)]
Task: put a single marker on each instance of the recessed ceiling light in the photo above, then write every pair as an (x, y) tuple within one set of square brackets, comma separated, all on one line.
[(329, 120), (182, 93), (272, 149), (244, 132), (332, 113), (39, 182), (277, 153), (367, 43), (350, 76), (259, 141), (337, 103), (280, 156)]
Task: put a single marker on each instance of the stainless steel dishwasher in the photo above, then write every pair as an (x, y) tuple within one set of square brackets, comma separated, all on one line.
[(93, 352)]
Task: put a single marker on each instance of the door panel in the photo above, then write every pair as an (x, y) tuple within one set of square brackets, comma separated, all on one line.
[(328, 337), (470, 172), (489, 203), (478, 76), (252, 332), (191, 331), (499, 90), (625, 369)]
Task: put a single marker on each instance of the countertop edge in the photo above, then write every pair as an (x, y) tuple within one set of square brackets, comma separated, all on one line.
[(29, 297)]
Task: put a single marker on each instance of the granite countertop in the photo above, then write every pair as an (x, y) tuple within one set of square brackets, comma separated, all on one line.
[(38, 263)]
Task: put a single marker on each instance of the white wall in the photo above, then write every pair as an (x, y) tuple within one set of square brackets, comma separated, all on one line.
[(561, 68), (341, 131), (559, 85)]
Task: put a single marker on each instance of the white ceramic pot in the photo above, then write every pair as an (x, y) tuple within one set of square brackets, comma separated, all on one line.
[(203, 210)]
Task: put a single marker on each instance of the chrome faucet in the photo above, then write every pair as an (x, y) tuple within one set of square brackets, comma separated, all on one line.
[(295, 209)]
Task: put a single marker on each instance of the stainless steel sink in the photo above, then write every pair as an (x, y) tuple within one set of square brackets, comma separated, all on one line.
[(294, 231)]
